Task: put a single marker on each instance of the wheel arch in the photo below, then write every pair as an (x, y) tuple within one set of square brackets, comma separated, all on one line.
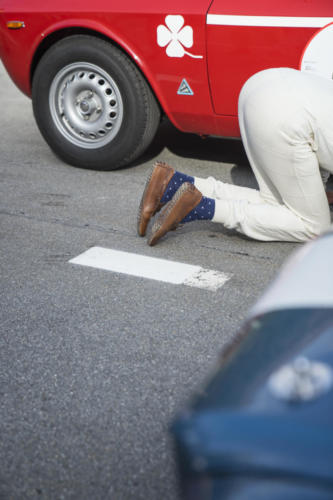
[(66, 32)]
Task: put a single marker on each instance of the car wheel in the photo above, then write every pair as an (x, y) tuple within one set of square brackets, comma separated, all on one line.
[(92, 105)]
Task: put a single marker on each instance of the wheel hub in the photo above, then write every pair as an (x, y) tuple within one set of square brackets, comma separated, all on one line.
[(85, 107), (89, 106)]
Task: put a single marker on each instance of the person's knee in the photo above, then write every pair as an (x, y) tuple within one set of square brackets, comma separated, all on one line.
[(318, 227)]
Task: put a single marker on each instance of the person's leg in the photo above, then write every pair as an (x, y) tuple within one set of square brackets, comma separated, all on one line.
[(264, 222), (223, 191), (277, 131), (213, 188), (278, 136)]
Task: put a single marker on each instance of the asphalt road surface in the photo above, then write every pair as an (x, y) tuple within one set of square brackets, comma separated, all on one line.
[(95, 364)]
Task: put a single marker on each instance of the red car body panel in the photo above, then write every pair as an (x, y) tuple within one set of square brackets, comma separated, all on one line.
[(216, 65), (237, 52), (250, 52)]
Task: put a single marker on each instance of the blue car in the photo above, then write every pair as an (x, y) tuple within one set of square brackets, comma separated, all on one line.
[(263, 427)]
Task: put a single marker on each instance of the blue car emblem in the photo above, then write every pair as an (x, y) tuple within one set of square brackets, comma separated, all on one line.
[(184, 88)]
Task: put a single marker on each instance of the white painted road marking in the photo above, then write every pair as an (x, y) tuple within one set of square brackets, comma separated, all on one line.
[(152, 268)]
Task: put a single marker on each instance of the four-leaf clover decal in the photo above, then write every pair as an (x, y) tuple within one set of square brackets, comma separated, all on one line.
[(175, 36)]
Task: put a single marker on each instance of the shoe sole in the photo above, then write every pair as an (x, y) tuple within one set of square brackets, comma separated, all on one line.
[(157, 231), (141, 229), (141, 232)]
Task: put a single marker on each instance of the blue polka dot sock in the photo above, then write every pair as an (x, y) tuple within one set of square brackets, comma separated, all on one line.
[(175, 182), (203, 211)]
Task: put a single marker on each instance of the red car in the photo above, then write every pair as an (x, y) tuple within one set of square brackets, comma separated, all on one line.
[(100, 76)]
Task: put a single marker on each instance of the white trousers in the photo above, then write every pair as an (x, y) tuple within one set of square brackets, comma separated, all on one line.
[(286, 123)]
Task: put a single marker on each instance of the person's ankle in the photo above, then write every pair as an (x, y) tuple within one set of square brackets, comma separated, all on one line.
[(204, 210), (175, 182)]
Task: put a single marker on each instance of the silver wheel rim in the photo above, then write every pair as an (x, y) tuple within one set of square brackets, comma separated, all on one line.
[(86, 105)]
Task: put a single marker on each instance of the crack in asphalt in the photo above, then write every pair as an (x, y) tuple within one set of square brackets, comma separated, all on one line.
[(77, 225), (235, 252)]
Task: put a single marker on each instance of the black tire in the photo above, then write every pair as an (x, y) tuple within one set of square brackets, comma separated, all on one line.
[(92, 105)]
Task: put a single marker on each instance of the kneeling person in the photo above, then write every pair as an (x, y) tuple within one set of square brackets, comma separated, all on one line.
[(285, 122)]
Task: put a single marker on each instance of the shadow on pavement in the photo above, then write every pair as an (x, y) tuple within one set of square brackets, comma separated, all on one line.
[(193, 146)]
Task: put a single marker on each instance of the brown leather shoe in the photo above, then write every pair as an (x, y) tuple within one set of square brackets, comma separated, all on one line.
[(184, 200), (154, 189)]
